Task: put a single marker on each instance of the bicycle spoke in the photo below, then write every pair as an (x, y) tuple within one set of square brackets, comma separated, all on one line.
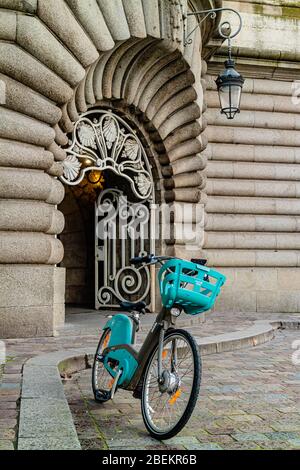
[(165, 409)]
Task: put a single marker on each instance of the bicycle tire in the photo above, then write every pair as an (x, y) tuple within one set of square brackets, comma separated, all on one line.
[(193, 394), (100, 394)]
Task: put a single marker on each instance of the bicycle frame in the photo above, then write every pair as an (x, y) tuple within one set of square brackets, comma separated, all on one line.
[(131, 362), (121, 360)]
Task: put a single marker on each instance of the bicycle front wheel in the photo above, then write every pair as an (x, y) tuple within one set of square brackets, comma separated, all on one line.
[(101, 379), (167, 406)]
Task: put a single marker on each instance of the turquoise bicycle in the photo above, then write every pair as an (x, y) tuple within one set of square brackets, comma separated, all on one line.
[(165, 374)]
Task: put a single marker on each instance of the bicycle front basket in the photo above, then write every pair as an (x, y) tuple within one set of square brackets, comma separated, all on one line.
[(192, 286)]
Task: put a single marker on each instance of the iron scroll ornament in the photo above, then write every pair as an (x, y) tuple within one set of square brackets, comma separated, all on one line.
[(122, 232), (221, 28), (102, 140)]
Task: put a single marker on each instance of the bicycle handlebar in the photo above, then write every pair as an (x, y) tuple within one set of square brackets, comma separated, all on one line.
[(152, 259), (149, 259), (141, 259)]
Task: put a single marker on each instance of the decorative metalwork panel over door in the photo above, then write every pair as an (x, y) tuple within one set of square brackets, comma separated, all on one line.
[(122, 232), (101, 140)]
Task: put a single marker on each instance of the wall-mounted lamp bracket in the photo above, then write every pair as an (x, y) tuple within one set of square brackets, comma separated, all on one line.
[(204, 14)]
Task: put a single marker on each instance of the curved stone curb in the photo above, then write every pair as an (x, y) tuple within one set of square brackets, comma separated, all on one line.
[(45, 417), (260, 332)]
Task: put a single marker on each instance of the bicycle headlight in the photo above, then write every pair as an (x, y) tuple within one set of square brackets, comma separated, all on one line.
[(175, 311)]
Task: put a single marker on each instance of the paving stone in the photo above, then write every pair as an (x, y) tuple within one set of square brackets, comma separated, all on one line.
[(286, 426), (258, 382), (282, 436), (7, 434), (124, 443), (7, 405), (204, 446), (258, 427), (40, 417), (10, 386), (295, 443), (48, 443), (254, 437), (8, 423), (92, 444), (244, 446), (42, 382), (7, 413), (6, 445), (246, 417), (183, 440), (277, 445)]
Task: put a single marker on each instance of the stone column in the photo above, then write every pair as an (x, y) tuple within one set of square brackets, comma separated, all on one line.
[(31, 286)]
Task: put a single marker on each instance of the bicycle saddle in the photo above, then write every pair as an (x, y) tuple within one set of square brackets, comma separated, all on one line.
[(200, 261), (130, 306)]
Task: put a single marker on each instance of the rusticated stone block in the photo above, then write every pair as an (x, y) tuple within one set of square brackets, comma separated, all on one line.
[(35, 38), (8, 25), (18, 127), (23, 99), (135, 18), (21, 184), (29, 216), (115, 19), (20, 155), (30, 248), (29, 6), (31, 299), (91, 18), (152, 18), (24, 68), (59, 18)]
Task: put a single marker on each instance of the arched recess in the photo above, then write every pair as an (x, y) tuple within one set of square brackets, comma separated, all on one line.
[(111, 148), (56, 58)]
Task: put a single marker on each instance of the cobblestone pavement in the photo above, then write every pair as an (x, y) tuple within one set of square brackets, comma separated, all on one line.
[(82, 330), (9, 394), (250, 399)]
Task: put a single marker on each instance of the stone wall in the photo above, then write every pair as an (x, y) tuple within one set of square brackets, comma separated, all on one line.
[(253, 173), (57, 59)]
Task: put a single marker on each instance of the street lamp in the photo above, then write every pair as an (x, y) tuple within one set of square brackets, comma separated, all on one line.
[(229, 82)]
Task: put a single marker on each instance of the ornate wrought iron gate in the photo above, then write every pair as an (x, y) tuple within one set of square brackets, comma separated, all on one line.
[(103, 141), (123, 230)]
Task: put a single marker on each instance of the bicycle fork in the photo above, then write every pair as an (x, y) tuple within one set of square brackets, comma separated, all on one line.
[(160, 353), (162, 332)]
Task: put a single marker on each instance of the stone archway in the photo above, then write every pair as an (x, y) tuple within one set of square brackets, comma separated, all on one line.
[(109, 146), (57, 58)]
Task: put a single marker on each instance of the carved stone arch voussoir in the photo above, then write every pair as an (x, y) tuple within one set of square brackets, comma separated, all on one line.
[(159, 90)]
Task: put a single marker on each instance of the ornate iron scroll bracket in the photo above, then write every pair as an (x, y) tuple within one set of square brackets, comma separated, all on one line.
[(204, 14), (101, 141)]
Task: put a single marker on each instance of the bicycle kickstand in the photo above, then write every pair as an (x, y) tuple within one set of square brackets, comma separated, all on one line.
[(115, 383)]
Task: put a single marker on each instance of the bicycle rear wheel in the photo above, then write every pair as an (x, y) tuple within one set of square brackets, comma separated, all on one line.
[(167, 407), (101, 379)]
